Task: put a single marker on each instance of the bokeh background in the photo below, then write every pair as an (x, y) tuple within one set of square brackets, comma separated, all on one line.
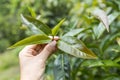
[(50, 12)]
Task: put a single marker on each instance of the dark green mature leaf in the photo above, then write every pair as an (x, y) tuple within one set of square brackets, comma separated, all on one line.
[(100, 29), (31, 26), (107, 41), (56, 28), (36, 39), (62, 68), (67, 68), (73, 32), (34, 24), (75, 47), (118, 3), (111, 76), (58, 68)]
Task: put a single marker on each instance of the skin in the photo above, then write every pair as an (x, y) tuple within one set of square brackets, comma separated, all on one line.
[(33, 58)]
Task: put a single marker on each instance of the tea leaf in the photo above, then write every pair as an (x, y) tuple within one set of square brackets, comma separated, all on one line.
[(105, 44), (100, 28), (117, 60), (102, 16), (103, 63), (31, 26), (36, 39), (56, 28), (75, 47), (58, 69), (118, 40), (74, 32), (32, 12), (32, 23), (62, 67)]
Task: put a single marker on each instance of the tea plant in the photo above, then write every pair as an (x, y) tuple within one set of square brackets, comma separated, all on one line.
[(69, 43)]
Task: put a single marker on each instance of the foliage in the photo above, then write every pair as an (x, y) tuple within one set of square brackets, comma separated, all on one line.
[(82, 25), (4, 44), (9, 22), (9, 69), (68, 44)]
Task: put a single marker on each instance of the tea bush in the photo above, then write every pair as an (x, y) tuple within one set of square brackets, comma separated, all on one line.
[(78, 16)]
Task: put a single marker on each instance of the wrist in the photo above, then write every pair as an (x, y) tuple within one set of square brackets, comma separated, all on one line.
[(31, 75)]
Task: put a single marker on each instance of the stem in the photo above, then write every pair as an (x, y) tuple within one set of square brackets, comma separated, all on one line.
[(52, 37)]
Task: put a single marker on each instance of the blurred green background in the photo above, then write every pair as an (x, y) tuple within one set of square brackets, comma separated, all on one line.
[(50, 12)]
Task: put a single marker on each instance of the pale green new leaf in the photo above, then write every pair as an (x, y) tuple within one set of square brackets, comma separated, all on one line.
[(57, 27), (32, 12), (75, 47), (98, 30), (117, 60), (118, 40), (102, 16), (32, 23), (36, 39), (110, 63)]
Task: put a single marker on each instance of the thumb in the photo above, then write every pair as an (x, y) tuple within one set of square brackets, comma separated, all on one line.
[(47, 51)]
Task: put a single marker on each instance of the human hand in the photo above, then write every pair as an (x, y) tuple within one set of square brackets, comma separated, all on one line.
[(32, 60)]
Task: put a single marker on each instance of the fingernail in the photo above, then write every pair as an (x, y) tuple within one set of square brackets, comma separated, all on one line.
[(53, 43)]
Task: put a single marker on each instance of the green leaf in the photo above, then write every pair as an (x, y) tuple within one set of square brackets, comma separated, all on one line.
[(58, 69), (106, 42), (92, 63), (56, 28), (102, 16), (117, 60), (74, 32), (67, 68), (32, 12), (62, 68), (33, 23), (31, 26), (102, 63), (118, 40), (98, 30), (36, 39), (75, 47), (111, 77), (110, 63)]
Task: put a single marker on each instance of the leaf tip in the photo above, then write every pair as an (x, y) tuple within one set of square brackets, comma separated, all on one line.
[(11, 47), (21, 15), (94, 57), (108, 30)]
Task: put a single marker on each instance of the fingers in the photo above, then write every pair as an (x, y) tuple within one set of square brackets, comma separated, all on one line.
[(29, 50), (55, 37), (41, 50), (47, 51), (30, 47)]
